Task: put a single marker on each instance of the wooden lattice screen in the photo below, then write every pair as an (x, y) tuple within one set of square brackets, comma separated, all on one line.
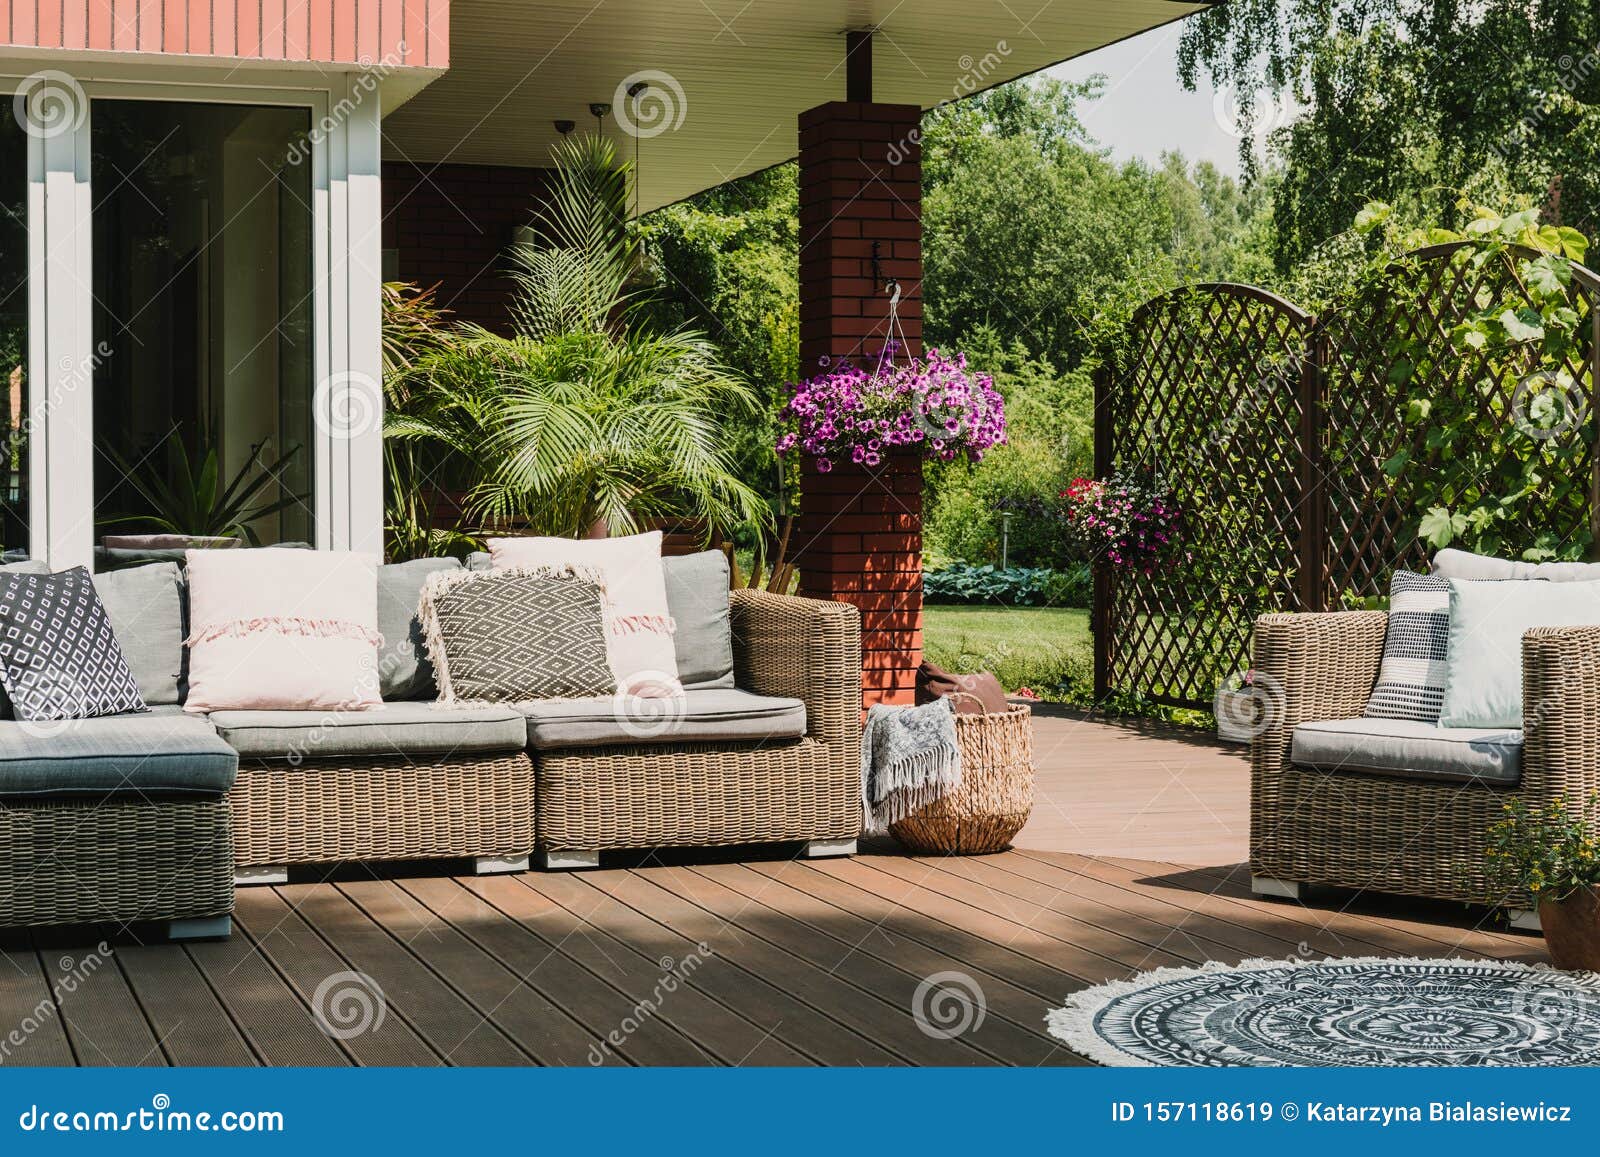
[(1271, 428)]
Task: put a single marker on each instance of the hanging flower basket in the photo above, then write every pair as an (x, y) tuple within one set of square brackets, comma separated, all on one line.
[(1123, 523), (934, 406)]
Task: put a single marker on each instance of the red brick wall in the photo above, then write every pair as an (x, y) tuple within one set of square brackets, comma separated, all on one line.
[(860, 531), (452, 225)]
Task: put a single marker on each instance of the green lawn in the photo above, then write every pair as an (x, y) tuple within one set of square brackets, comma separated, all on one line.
[(1044, 648)]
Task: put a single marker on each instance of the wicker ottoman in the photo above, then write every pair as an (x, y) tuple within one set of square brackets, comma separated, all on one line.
[(996, 793), (118, 861)]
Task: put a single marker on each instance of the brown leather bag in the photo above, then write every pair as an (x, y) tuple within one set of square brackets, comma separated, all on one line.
[(979, 694)]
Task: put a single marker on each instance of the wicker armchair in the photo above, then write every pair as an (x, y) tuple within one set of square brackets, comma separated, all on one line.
[(1388, 834), (589, 800)]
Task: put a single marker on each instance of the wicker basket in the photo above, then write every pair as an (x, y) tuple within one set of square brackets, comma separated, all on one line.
[(996, 793)]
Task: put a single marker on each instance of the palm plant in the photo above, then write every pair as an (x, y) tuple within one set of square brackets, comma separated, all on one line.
[(415, 469), (583, 415)]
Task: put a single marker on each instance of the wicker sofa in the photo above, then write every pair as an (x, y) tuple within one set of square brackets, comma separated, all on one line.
[(156, 817), (687, 791), (1419, 831)]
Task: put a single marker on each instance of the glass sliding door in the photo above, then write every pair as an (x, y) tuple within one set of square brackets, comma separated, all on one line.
[(202, 221), (14, 481)]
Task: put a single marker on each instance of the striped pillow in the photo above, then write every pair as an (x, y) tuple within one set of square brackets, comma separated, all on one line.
[(1415, 647)]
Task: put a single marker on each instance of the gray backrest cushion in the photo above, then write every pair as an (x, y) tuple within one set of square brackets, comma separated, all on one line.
[(1451, 563), (1463, 564), (697, 598), (479, 560), (404, 671), (145, 606)]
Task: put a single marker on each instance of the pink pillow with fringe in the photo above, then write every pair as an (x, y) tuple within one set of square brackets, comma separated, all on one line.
[(639, 627), (282, 630)]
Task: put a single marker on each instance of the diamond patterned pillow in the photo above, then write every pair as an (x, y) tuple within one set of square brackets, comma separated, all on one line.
[(59, 658), (507, 636)]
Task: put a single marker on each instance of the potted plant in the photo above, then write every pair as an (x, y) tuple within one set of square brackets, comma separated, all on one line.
[(187, 504), (1551, 853), (933, 406), (1240, 708)]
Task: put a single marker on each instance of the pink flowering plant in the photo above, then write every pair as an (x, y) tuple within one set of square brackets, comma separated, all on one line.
[(1124, 522), (934, 405)]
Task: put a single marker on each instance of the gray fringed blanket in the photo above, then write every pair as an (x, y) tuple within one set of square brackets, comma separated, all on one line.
[(909, 758)]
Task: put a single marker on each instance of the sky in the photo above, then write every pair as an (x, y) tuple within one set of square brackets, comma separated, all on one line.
[(1146, 111)]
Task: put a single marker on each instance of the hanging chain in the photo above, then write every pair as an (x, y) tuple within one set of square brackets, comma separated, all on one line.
[(890, 341)]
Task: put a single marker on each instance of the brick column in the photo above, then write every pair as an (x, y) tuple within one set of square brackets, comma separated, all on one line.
[(860, 531)]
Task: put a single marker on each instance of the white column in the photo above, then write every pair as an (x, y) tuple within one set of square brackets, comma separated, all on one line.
[(350, 400), (61, 359)]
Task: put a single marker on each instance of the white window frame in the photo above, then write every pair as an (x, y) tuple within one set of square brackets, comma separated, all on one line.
[(347, 263)]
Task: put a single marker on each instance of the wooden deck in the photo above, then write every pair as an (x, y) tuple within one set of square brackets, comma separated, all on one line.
[(1131, 862)]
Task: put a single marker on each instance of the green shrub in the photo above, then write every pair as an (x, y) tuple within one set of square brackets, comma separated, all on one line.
[(1019, 586), (1049, 419)]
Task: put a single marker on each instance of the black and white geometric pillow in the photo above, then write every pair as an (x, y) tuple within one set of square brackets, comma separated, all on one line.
[(515, 635), (1415, 649), (58, 656)]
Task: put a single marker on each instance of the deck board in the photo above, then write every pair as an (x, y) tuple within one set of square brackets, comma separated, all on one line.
[(275, 1023), (30, 1010), (858, 995), (450, 1026), (187, 1018), (306, 961), (716, 1030), (558, 988), (1010, 1032), (105, 1023), (615, 902), (810, 961)]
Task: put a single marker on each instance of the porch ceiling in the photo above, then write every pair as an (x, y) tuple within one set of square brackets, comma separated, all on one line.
[(747, 68)]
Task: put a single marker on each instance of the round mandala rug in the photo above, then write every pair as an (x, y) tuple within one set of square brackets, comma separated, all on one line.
[(1357, 1012)]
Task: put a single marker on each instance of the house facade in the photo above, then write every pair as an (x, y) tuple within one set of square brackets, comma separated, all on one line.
[(202, 198)]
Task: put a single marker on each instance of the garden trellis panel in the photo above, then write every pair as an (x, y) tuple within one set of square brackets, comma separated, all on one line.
[(1294, 447), (1210, 397)]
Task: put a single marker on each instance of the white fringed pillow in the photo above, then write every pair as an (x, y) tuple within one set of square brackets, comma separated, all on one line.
[(639, 627), (282, 630)]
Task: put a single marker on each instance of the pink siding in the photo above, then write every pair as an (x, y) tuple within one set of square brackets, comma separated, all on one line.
[(74, 22), (310, 31), (199, 27), (100, 23), (49, 23), (297, 30)]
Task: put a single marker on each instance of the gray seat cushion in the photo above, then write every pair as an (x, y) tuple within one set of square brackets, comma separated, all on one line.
[(1407, 747), (145, 606), (698, 598), (706, 715), (402, 728), (159, 752), (404, 671)]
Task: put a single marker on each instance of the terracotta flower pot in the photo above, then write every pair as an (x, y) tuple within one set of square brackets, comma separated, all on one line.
[(1572, 930)]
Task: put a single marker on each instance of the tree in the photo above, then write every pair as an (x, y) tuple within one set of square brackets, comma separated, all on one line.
[(1412, 102), (1026, 226)]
